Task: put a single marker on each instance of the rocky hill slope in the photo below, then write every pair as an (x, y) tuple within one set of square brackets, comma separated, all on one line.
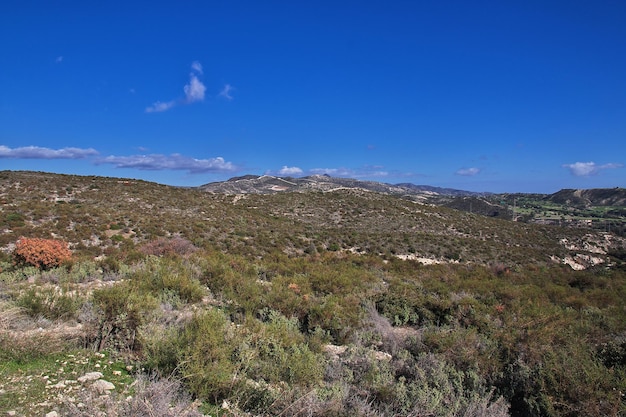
[(267, 184), (96, 214), (590, 198)]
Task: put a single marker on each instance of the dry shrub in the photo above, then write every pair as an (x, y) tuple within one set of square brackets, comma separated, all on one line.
[(41, 253), (152, 397), (169, 247), (32, 345), (8, 316)]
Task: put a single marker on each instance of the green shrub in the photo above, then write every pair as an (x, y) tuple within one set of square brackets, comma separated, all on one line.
[(207, 345), (50, 303), (122, 312), (281, 353), (14, 220), (159, 275)]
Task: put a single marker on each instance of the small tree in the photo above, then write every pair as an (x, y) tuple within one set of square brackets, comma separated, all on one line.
[(41, 253)]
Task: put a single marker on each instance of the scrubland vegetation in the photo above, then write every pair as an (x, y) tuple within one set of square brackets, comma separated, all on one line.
[(298, 304)]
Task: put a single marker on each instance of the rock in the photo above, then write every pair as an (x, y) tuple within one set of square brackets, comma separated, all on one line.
[(89, 377), (334, 349), (11, 413), (52, 414), (102, 387), (382, 356), (225, 405)]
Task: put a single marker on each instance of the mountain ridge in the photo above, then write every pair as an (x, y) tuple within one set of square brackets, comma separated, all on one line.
[(269, 184)]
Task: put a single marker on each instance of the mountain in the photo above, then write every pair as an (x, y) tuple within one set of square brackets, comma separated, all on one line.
[(267, 184)]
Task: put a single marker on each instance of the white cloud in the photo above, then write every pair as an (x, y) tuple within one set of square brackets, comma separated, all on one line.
[(157, 162), (160, 106), (36, 152), (585, 169), (194, 91), (285, 170), (226, 92), (468, 172), (197, 67)]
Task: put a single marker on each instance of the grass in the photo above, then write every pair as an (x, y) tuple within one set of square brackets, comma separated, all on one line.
[(37, 385)]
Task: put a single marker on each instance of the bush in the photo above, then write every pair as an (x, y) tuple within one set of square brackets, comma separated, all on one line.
[(123, 311), (160, 276), (49, 303), (207, 347), (162, 397), (41, 253), (168, 247)]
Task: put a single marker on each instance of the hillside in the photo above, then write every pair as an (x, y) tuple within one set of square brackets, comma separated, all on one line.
[(590, 198), (331, 298), (95, 214), (599, 209)]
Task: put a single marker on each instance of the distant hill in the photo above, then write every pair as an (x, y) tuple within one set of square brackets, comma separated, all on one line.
[(598, 197), (268, 184)]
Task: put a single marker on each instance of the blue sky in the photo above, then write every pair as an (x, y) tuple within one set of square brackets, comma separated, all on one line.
[(501, 96)]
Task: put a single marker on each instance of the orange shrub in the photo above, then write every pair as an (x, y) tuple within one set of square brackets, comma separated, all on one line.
[(42, 253)]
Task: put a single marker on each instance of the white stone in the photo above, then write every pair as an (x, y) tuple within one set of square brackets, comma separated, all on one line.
[(90, 376), (102, 387), (52, 414), (335, 350), (382, 356)]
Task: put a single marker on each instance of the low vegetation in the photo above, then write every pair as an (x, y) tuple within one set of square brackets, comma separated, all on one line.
[(299, 304)]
